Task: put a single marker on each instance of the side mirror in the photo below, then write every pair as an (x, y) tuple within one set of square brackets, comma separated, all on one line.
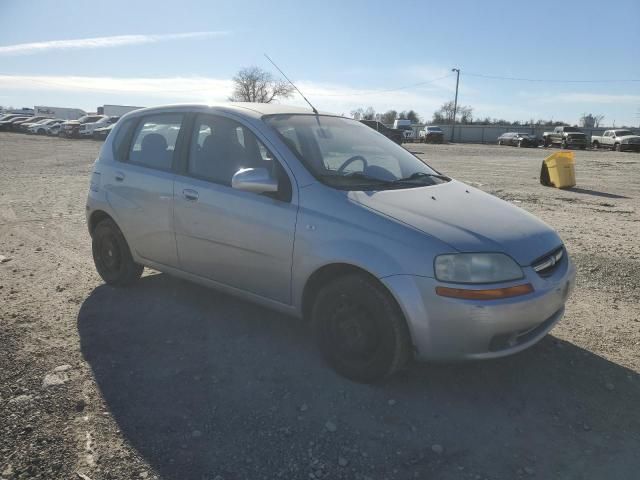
[(256, 180)]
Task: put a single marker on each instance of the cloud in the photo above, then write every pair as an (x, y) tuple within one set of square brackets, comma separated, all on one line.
[(100, 42)]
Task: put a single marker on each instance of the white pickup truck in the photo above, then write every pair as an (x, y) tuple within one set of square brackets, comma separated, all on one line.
[(619, 140)]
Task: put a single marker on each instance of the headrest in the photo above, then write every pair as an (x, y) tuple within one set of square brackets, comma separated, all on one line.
[(153, 141)]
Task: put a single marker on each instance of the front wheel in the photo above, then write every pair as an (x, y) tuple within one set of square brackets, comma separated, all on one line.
[(617, 147), (359, 329), (563, 145), (112, 256)]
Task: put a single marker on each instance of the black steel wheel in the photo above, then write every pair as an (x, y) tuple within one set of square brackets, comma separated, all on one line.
[(359, 329), (112, 256)]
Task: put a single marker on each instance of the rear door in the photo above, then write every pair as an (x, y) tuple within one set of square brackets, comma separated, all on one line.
[(141, 185), (237, 238)]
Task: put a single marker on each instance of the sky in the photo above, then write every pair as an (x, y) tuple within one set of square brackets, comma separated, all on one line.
[(341, 54)]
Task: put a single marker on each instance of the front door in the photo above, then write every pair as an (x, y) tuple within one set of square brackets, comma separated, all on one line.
[(240, 239)]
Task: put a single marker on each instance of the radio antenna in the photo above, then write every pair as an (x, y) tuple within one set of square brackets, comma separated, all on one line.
[(292, 84)]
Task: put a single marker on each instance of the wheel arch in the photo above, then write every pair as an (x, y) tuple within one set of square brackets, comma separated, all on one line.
[(96, 217), (327, 273)]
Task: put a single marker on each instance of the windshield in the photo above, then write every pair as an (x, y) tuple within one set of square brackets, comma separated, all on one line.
[(434, 129), (623, 133), (571, 129), (523, 135), (348, 155)]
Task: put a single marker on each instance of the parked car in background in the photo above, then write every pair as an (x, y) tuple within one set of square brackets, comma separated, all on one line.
[(6, 125), (408, 135), (392, 259), (102, 132), (54, 129), (10, 116), (391, 133), (25, 124), (517, 139), (71, 128), (87, 129), (566, 137), (16, 126), (431, 134), (43, 128), (617, 139)]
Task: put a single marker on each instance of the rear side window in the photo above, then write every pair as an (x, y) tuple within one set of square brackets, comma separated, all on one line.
[(154, 141), (123, 139)]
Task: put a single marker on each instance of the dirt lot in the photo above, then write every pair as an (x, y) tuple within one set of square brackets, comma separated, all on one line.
[(170, 380)]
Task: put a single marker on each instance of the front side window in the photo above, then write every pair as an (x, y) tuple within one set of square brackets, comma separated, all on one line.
[(220, 147), (348, 155), (154, 141)]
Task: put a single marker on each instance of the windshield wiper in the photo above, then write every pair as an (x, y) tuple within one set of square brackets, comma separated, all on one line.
[(419, 175), (357, 176)]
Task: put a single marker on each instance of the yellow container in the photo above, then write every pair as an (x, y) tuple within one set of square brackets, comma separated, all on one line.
[(561, 167)]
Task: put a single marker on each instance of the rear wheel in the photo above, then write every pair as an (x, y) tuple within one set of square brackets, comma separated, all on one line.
[(112, 256), (595, 145), (359, 329), (617, 147)]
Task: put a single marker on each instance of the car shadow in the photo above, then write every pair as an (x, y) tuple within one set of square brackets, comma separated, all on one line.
[(595, 193), (204, 385)]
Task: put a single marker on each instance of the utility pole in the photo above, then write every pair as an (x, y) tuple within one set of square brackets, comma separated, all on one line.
[(455, 102)]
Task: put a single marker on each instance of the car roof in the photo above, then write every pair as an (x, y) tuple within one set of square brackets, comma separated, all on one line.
[(246, 108)]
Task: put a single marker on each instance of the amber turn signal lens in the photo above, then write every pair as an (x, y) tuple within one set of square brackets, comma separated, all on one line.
[(492, 294)]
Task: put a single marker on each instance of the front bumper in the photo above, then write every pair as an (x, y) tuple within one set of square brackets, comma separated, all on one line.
[(453, 329)]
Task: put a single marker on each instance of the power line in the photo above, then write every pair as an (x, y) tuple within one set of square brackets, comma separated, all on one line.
[(385, 90), (543, 80)]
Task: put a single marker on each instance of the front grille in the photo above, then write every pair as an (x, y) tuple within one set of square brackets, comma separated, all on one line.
[(547, 264)]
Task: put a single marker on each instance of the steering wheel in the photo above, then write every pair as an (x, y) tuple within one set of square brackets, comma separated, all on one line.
[(349, 161)]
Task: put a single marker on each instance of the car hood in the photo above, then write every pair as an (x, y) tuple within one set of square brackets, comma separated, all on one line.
[(467, 219), (629, 137)]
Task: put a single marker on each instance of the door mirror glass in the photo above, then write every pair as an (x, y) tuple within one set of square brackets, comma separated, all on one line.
[(255, 180)]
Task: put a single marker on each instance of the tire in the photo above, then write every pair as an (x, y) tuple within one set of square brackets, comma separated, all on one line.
[(546, 142), (112, 256), (359, 329), (500, 142), (617, 147), (563, 145), (595, 145), (519, 144)]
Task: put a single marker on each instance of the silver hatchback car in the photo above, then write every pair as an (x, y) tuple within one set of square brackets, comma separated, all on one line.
[(321, 217)]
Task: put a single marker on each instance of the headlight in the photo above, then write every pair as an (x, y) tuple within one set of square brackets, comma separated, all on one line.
[(476, 268)]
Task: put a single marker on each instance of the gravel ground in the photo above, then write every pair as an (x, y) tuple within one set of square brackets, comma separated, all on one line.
[(169, 380)]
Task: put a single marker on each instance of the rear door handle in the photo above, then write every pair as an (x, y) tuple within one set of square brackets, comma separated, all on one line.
[(190, 195), (119, 176)]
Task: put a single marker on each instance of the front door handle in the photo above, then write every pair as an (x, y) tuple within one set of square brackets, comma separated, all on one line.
[(190, 195), (119, 176)]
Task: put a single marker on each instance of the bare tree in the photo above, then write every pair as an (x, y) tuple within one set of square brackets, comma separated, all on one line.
[(464, 113), (590, 120), (410, 115), (389, 117), (362, 114), (252, 84)]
